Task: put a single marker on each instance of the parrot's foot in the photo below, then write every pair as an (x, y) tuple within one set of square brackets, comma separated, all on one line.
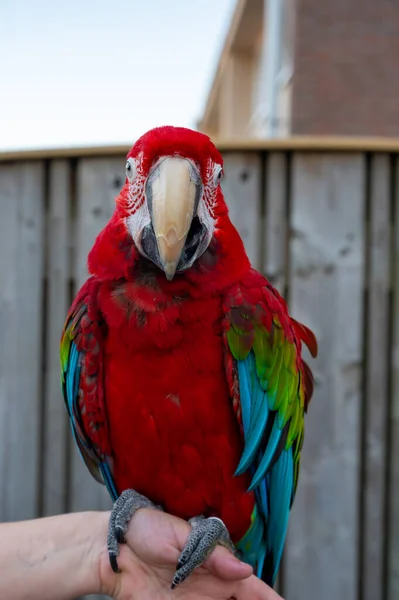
[(122, 512), (205, 535)]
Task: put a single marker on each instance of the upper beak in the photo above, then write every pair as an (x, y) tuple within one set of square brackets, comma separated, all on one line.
[(173, 187)]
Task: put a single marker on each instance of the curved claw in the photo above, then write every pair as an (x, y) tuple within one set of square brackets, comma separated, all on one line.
[(114, 562)]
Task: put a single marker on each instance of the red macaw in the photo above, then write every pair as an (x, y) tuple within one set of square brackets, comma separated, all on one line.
[(181, 367)]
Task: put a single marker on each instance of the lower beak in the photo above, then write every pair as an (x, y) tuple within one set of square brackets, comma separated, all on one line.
[(174, 190)]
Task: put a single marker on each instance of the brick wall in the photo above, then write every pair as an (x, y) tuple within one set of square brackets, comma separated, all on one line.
[(346, 78)]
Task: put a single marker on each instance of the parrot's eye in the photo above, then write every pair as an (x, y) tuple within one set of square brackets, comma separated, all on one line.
[(218, 174), (130, 169)]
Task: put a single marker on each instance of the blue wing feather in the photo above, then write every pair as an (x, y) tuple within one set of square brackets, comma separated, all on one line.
[(72, 379), (281, 484), (268, 455), (108, 480), (245, 394), (272, 480), (255, 406), (98, 468)]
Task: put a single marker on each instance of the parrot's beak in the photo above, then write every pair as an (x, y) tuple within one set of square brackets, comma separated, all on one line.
[(172, 190)]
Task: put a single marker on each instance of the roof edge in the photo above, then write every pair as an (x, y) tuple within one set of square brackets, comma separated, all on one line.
[(295, 143)]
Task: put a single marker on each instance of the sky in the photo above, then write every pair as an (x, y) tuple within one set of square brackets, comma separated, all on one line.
[(86, 72)]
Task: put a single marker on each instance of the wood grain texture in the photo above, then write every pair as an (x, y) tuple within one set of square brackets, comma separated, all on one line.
[(393, 521), (99, 181), (326, 293), (21, 276), (377, 368), (242, 191), (276, 225), (275, 259), (56, 427)]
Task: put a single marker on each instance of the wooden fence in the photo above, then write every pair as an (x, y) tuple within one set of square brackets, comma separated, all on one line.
[(321, 219)]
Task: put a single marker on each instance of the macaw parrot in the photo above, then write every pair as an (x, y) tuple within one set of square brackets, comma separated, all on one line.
[(181, 368)]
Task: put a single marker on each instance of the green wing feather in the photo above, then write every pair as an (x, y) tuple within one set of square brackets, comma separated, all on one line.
[(275, 387)]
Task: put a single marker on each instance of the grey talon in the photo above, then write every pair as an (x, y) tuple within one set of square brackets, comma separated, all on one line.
[(205, 535), (120, 535), (122, 512)]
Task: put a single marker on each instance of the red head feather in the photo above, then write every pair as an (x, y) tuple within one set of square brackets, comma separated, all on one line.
[(169, 141), (117, 249)]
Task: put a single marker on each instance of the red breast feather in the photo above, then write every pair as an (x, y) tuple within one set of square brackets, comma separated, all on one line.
[(174, 434)]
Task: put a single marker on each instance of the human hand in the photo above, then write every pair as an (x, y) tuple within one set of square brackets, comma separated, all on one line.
[(148, 562)]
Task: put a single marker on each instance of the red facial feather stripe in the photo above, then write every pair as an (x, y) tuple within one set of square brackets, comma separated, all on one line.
[(132, 195)]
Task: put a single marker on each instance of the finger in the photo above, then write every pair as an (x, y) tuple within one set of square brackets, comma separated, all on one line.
[(221, 562), (169, 535), (225, 565), (255, 589), (174, 533), (162, 536)]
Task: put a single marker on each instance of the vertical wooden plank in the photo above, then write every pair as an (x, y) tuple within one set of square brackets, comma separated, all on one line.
[(98, 183), (242, 191), (326, 293), (377, 368), (276, 229), (393, 562), (21, 273), (58, 276), (275, 245)]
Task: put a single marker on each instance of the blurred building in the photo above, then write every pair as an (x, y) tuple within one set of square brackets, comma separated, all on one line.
[(317, 67)]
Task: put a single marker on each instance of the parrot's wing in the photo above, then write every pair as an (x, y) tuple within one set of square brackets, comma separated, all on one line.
[(82, 382), (271, 387)]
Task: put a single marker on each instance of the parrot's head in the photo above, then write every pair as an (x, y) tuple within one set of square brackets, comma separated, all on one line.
[(172, 197), (171, 209)]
